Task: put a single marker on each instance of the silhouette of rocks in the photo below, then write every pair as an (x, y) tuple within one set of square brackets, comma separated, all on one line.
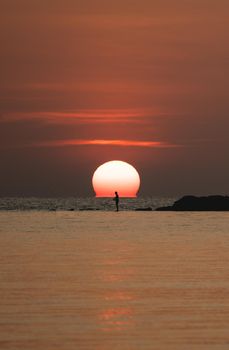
[(143, 209), (88, 209), (193, 203)]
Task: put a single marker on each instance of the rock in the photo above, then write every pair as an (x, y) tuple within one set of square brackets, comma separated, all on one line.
[(87, 209), (143, 209), (192, 203)]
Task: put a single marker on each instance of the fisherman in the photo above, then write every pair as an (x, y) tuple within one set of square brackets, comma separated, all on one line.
[(116, 199)]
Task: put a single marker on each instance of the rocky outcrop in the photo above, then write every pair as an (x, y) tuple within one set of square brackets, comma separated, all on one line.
[(144, 209), (192, 203), (88, 209)]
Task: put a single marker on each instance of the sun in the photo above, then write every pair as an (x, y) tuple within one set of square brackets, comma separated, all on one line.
[(116, 175)]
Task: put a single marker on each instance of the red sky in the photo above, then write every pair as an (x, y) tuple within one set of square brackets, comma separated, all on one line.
[(84, 82)]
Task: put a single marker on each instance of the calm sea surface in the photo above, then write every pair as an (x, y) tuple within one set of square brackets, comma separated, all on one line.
[(74, 203), (114, 281)]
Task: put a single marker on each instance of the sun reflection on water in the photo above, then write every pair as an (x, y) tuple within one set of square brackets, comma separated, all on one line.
[(117, 318), (117, 272)]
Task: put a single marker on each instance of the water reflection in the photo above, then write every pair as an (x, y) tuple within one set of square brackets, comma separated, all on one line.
[(116, 318), (119, 295), (117, 273)]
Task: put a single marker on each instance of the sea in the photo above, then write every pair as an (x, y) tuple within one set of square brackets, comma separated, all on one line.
[(73, 278), (90, 203)]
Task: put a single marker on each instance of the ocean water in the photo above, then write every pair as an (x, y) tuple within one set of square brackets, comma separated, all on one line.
[(103, 280), (74, 203)]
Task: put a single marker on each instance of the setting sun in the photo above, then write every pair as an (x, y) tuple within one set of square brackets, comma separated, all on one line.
[(117, 176)]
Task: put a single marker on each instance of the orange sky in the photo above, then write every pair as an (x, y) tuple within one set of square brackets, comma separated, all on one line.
[(84, 82)]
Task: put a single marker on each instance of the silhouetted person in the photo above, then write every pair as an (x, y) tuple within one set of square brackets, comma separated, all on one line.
[(116, 199)]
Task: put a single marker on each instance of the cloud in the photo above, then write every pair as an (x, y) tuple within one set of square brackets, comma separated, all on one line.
[(84, 116), (123, 143)]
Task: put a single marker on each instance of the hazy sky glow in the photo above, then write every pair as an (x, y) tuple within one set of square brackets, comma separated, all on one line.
[(85, 82)]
